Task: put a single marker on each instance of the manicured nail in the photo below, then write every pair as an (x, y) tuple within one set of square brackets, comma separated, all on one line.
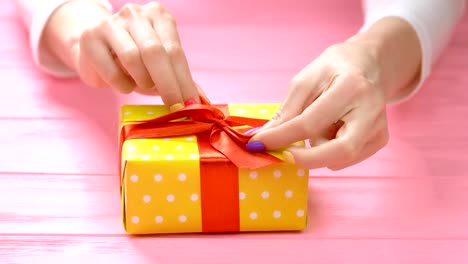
[(288, 156), (255, 146), (176, 107), (190, 101), (250, 131)]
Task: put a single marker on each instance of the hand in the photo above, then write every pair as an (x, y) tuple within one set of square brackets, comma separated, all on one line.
[(338, 103), (137, 49)]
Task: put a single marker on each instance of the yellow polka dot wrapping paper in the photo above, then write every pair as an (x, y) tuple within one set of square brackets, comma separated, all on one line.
[(163, 192)]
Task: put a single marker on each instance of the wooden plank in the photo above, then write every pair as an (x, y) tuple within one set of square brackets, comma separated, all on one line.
[(226, 250), (339, 207)]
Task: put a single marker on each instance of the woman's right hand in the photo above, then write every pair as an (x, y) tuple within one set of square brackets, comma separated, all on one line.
[(138, 49)]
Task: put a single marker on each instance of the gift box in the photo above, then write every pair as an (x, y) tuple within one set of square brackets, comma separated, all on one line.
[(189, 172)]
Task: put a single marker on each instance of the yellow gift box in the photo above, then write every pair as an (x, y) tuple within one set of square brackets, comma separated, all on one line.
[(169, 186)]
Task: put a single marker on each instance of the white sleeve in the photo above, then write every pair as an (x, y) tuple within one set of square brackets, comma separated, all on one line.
[(433, 21), (34, 14)]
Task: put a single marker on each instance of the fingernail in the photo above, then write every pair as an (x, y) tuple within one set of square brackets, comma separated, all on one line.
[(190, 101), (288, 156), (255, 146), (250, 131), (176, 107)]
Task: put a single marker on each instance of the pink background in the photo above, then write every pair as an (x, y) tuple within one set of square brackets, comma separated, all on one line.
[(59, 188)]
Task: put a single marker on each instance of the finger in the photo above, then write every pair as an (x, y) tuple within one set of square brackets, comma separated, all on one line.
[(202, 93), (167, 31), (149, 92), (326, 135), (157, 62), (303, 89), (127, 55), (86, 72), (96, 51), (369, 150), (323, 112), (351, 138), (378, 139)]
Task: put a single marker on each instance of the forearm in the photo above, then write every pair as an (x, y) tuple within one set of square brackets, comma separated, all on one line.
[(65, 26), (396, 25), (396, 49)]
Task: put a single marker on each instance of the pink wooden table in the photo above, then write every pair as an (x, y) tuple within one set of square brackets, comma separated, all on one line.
[(59, 188)]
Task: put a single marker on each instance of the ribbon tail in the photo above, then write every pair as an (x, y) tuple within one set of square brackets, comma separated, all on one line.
[(238, 155)]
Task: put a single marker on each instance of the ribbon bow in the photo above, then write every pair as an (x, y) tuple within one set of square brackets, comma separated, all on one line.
[(204, 118)]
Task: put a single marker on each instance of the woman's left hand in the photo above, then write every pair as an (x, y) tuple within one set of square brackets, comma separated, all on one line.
[(338, 103)]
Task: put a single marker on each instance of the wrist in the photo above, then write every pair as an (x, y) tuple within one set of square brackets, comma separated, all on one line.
[(66, 24), (395, 47)]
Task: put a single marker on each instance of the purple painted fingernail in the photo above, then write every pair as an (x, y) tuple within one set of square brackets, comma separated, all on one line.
[(250, 131), (255, 146)]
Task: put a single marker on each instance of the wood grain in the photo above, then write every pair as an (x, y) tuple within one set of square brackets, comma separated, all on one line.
[(59, 188), (110, 249)]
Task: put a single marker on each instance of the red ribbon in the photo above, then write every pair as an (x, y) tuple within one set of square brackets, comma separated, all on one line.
[(204, 118)]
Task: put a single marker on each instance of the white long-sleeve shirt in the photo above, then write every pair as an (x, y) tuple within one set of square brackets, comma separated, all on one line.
[(433, 21)]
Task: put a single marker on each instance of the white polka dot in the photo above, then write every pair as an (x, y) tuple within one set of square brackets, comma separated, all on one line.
[(253, 215), (135, 219), (145, 157), (288, 193), (242, 195), (146, 198), (156, 147), (263, 111), (150, 113), (193, 156), (134, 178), (158, 219), (241, 111), (131, 148), (194, 197), (277, 173), (253, 174), (127, 113), (158, 177), (190, 138), (180, 147), (300, 213), (182, 177), (182, 218), (276, 214), (169, 157), (265, 195), (170, 198), (166, 139), (300, 172)]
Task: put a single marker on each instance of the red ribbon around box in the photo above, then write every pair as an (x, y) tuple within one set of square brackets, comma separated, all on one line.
[(222, 153)]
